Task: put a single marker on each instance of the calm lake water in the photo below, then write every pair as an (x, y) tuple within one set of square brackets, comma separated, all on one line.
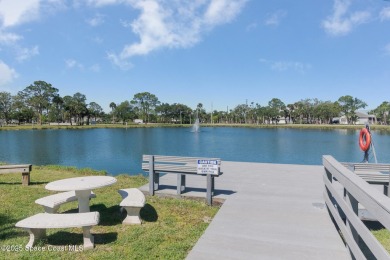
[(120, 150)]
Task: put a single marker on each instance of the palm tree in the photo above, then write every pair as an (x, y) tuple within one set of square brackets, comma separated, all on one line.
[(113, 107)]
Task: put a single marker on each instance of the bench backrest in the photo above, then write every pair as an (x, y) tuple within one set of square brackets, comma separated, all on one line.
[(375, 167), (174, 164), (22, 168)]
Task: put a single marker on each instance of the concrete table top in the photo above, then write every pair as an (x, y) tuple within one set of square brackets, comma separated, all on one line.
[(81, 183), (82, 187)]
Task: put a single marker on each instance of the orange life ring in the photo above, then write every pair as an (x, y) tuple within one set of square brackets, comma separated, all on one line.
[(364, 139)]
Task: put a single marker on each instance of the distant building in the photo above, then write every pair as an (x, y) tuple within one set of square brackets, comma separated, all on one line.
[(138, 121), (283, 121), (362, 119), (59, 124)]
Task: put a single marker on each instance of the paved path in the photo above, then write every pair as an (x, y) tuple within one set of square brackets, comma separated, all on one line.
[(271, 211)]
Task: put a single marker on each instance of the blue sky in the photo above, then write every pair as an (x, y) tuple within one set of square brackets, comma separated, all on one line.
[(217, 52)]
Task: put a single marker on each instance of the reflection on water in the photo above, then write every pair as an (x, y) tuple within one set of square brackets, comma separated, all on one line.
[(120, 150)]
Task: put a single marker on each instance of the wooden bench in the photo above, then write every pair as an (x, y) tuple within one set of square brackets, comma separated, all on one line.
[(51, 203), (373, 173), (358, 167), (36, 225), (24, 169), (156, 164), (133, 201)]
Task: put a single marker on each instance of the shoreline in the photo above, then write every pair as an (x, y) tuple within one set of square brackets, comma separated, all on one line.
[(156, 125)]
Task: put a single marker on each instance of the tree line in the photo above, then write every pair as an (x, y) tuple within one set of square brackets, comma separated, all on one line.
[(40, 102)]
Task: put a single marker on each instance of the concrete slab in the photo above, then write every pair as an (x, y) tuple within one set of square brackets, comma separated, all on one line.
[(271, 211)]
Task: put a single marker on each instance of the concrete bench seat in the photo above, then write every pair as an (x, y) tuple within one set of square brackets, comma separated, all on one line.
[(133, 201), (36, 225), (51, 203)]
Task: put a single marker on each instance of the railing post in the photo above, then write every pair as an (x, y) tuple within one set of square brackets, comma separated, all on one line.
[(178, 186), (353, 204), (209, 188), (330, 178), (151, 175), (386, 187), (329, 175), (25, 178), (181, 183), (212, 185)]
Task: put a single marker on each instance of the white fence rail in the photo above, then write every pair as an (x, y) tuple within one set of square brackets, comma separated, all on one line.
[(343, 206)]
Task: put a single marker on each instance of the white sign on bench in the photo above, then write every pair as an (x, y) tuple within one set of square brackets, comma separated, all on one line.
[(208, 167)]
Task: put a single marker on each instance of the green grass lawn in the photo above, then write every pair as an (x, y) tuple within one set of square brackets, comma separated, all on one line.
[(170, 227), (383, 236)]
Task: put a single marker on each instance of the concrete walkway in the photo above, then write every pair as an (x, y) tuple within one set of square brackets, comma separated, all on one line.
[(271, 211)]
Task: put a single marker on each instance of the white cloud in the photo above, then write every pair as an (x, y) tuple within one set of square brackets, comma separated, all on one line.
[(287, 65), (99, 3), (123, 64), (222, 11), (97, 40), (177, 25), (387, 49), (251, 26), (7, 38), (385, 14), (275, 18), (125, 24), (13, 13), (16, 12), (71, 63), (11, 41), (160, 24), (26, 53), (95, 21), (7, 74), (74, 64), (95, 68), (341, 22)]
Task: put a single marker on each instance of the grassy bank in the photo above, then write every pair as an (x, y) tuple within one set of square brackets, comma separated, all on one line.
[(303, 126), (169, 230), (46, 126), (385, 128)]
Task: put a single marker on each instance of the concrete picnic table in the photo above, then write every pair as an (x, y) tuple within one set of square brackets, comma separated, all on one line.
[(82, 187)]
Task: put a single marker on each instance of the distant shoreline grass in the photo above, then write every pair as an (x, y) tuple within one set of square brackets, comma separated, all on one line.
[(154, 125), (170, 227)]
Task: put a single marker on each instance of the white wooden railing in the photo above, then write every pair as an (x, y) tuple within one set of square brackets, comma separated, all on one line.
[(344, 191)]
